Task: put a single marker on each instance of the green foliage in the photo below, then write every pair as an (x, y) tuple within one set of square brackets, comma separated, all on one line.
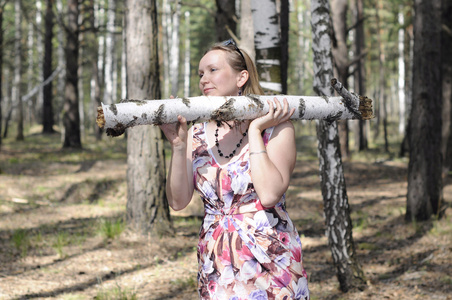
[(117, 293), (111, 229), (61, 241), (21, 241)]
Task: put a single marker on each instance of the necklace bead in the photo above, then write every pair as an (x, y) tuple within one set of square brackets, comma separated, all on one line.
[(220, 153)]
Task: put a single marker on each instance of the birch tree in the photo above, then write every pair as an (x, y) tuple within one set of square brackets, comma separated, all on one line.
[(16, 97), (47, 107), (71, 118), (109, 53), (424, 169), (61, 62), (268, 50), (147, 207), (401, 71), (336, 207), (175, 38), (187, 55)]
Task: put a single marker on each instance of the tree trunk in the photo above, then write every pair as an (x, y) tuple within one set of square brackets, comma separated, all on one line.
[(267, 42), (59, 103), (117, 117), (38, 102), (401, 72), (424, 169), (284, 29), (175, 47), (224, 19), (16, 97), (109, 49), (247, 29), (382, 78), (339, 10), (147, 207), (446, 63), (187, 56), (336, 207), (1, 72), (360, 71), (71, 118), (166, 46), (47, 108)]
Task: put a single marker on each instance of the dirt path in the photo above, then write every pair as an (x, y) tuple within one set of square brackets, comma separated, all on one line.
[(53, 245)]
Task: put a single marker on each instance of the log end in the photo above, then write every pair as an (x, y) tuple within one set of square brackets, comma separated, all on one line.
[(100, 120), (365, 108)]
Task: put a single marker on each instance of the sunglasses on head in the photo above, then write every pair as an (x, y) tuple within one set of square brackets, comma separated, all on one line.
[(231, 42)]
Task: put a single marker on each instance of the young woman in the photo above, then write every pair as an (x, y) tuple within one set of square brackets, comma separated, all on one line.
[(248, 247)]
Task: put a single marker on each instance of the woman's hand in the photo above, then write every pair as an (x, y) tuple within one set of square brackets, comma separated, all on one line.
[(176, 133), (274, 116)]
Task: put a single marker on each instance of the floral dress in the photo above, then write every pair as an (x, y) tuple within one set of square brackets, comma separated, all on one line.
[(245, 251)]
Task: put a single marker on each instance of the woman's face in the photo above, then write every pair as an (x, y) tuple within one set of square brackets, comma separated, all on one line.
[(217, 78)]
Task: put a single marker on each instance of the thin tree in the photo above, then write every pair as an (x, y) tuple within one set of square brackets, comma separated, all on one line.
[(147, 207), (224, 19), (424, 169), (446, 63), (359, 76), (16, 95), (336, 207), (1, 66), (339, 9), (47, 107), (71, 118)]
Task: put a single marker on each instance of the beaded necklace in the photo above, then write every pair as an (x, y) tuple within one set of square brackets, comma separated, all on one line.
[(218, 144)]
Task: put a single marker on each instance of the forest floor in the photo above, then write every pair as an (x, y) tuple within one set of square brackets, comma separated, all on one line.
[(63, 236)]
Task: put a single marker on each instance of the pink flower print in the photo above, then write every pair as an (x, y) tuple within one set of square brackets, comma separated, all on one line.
[(249, 269), (227, 276), (284, 238), (212, 287), (296, 254), (245, 253), (284, 279), (225, 258)]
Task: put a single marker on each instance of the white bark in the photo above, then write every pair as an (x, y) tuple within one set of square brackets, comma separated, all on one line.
[(40, 51), (174, 64), (116, 118), (267, 43), (15, 94), (109, 49), (187, 55), (61, 62), (166, 24), (100, 23), (30, 45), (401, 81)]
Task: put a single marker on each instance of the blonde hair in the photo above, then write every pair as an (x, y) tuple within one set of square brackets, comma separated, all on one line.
[(239, 60)]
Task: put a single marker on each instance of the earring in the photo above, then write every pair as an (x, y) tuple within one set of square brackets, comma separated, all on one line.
[(240, 91)]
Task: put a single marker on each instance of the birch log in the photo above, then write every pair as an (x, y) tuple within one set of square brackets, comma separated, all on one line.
[(115, 118)]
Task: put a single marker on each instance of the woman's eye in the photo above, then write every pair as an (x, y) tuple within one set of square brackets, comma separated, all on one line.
[(200, 75), (213, 70)]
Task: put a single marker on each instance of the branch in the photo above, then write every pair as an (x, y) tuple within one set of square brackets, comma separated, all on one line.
[(115, 118)]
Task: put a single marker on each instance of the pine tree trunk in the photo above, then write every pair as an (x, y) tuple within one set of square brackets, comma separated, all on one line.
[(147, 207), (446, 63), (1, 72), (247, 28), (424, 169), (16, 95), (339, 10), (224, 19), (47, 108), (360, 81), (336, 207), (71, 118)]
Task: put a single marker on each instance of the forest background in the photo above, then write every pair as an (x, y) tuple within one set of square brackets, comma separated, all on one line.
[(64, 232)]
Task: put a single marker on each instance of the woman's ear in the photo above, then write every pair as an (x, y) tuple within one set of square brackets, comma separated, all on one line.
[(242, 78)]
